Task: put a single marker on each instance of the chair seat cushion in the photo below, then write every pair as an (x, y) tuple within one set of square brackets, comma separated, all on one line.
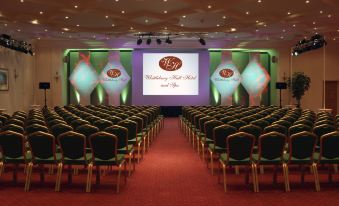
[(135, 140), (325, 160), (223, 158), (297, 160), (216, 149), (265, 161), (126, 150), (120, 159), (80, 161), (49, 160)]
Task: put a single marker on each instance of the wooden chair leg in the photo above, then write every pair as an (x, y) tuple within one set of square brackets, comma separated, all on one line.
[(118, 178), (254, 177), (130, 164), (212, 166), (316, 177), (224, 175), (237, 172), (28, 176), (286, 179), (58, 179), (1, 168)]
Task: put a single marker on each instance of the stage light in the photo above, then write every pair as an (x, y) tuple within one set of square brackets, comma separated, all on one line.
[(315, 42), (149, 41), (21, 46), (139, 41), (158, 41), (202, 41)]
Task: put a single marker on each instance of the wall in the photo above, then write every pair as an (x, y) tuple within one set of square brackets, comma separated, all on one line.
[(21, 89)]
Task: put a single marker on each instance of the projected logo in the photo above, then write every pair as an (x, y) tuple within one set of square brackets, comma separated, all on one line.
[(226, 73), (114, 73), (170, 63)]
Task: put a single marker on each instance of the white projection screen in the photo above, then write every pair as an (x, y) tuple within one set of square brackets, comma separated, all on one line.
[(170, 74)]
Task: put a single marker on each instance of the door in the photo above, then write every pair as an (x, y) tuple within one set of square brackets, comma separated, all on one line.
[(331, 95)]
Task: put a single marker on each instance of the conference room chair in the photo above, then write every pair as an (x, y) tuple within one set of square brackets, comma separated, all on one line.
[(248, 119), (36, 128), (276, 128), (3, 119), (207, 138), (227, 119), (304, 122), (143, 130), (200, 130), (326, 121), (299, 128), (271, 152), (14, 121), (78, 122), (105, 153), (239, 153), (14, 128), (329, 153), (35, 121), (73, 152), (53, 122), (43, 151), (220, 133), (284, 123), (323, 129), (13, 151), (123, 146), (260, 123), (58, 129), (237, 123), (113, 119), (253, 130), (301, 152), (92, 119), (102, 124)]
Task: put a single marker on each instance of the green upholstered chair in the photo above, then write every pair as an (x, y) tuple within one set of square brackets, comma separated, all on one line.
[(113, 119), (92, 119), (78, 122), (227, 119), (102, 124), (299, 128), (276, 128), (284, 123), (43, 151), (304, 122), (329, 153), (53, 122), (248, 119), (239, 152), (87, 130), (253, 130), (35, 121), (237, 123), (200, 130), (208, 137), (105, 153), (123, 146), (73, 152), (13, 127), (271, 152), (220, 133), (13, 151), (301, 152), (35, 128), (58, 129), (260, 123), (17, 122), (323, 129)]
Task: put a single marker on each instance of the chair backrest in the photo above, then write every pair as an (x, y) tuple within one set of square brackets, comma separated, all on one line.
[(15, 122), (102, 124), (35, 121), (42, 145), (13, 127), (320, 130), (131, 126), (220, 133), (35, 128), (276, 128), (78, 122), (271, 145), (72, 145), (302, 145), (329, 144), (12, 144), (227, 119), (53, 122), (240, 146), (237, 123), (260, 123), (103, 145), (121, 133), (284, 123), (299, 128), (202, 121), (248, 119), (325, 121), (60, 128), (87, 130), (113, 119), (304, 122), (140, 121), (209, 126), (92, 119)]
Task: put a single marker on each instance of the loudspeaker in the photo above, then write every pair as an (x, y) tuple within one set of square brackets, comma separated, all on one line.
[(281, 85), (44, 85)]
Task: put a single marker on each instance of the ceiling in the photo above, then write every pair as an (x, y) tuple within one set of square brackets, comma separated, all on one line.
[(225, 20)]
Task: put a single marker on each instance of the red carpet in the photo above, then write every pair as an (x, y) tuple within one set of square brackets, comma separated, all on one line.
[(170, 174)]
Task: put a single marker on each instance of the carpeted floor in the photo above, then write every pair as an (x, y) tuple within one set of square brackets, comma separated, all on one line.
[(170, 174)]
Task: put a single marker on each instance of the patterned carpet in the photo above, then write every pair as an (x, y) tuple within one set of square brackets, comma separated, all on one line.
[(170, 174)]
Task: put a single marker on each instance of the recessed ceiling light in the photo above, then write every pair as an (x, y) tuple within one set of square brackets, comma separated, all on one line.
[(65, 29), (106, 17), (76, 6), (46, 30), (165, 0), (62, 32), (41, 12), (165, 28), (256, 30), (257, 21), (131, 28), (5, 24), (35, 21), (38, 38), (247, 12), (122, 11), (19, 30), (78, 25), (182, 25), (66, 17), (284, 30), (288, 13), (218, 25), (259, 1), (183, 16), (307, 1), (116, 0), (321, 11), (333, 39), (146, 20), (281, 37), (329, 16), (22, 1), (315, 28), (294, 25), (113, 25), (165, 12), (224, 17), (233, 29), (265, 25), (209, 6), (313, 22), (337, 30)]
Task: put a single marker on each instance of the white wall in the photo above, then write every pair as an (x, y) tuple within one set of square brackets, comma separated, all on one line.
[(20, 94)]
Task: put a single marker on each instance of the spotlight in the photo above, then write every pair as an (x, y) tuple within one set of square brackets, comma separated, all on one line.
[(139, 41), (202, 41), (315, 42), (168, 41), (21, 46), (158, 41), (149, 40)]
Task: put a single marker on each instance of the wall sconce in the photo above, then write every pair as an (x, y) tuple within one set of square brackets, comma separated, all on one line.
[(56, 76)]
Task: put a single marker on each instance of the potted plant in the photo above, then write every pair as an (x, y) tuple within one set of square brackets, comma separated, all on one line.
[(299, 85)]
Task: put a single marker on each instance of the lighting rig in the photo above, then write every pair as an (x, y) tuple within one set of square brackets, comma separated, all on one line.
[(315, 42), (158, 36), (17, 45)]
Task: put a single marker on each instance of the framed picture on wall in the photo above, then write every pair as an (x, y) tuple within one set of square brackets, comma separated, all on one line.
[(4, 79)]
